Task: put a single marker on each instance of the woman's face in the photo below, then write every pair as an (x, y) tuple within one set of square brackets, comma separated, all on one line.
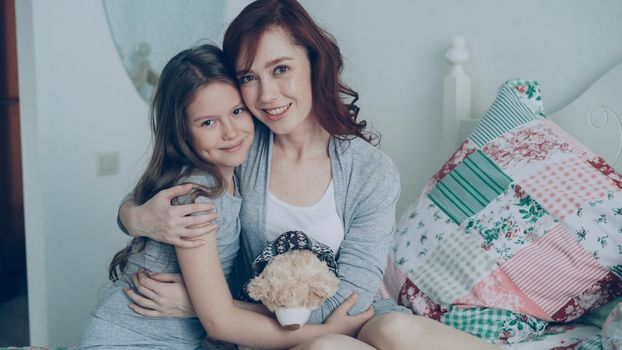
[(219, 128), (277, 88)]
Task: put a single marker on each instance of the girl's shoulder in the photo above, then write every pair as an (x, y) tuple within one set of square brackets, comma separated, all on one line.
[(198, 178)]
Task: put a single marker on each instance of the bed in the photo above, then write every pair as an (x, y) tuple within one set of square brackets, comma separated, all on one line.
[(518, 237)]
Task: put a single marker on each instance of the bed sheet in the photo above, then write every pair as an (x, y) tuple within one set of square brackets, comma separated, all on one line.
[(569, 336)]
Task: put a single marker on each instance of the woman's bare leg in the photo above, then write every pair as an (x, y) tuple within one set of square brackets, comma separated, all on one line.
[(396, 331), (333, 342)]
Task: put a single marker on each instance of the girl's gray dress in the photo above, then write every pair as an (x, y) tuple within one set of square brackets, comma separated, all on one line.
[(114, 325)]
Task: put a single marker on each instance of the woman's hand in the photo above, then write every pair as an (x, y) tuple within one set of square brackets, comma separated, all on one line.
[(258, 308), (341, 323), (159, 220), (161, 295)]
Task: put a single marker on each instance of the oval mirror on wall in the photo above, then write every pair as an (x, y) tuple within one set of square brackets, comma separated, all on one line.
[(147, 33)]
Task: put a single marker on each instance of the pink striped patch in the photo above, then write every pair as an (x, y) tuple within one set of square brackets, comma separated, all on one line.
[(601, 292), (553, 270), (499, 292), (392, 281)]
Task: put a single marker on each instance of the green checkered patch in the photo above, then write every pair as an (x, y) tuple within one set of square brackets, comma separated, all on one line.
[(591, 343), (506, 113), (469, 187), (494, 324), (453, 268)]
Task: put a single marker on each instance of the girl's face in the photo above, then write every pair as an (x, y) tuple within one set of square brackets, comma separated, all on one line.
[(220, 129), (277, 88)]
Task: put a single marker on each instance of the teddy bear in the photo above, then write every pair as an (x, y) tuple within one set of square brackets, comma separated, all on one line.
[(293, 275)]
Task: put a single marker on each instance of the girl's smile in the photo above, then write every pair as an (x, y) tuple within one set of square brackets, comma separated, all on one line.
[(219, 127)]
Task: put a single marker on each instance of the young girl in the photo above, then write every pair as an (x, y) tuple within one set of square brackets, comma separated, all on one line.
[(312, 168), (202, 131)]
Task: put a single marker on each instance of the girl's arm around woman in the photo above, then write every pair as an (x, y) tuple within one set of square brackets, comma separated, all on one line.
[(223, 320)]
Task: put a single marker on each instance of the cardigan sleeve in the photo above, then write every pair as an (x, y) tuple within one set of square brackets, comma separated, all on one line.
[(372, 193)]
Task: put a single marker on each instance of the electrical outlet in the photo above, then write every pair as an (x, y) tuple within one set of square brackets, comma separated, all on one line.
[(107, 163)]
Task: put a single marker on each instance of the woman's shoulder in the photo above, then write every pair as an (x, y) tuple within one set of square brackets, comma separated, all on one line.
[(366, 174), (365, 157)]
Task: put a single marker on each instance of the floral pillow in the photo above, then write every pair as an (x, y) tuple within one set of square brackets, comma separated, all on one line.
[(520, 227)]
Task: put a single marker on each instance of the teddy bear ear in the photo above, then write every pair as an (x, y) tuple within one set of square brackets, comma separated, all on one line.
[(256, 288), (317, 295), (320, 290), (324, 286)]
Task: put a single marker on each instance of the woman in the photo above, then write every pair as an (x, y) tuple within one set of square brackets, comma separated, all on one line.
[(312, 168), (202, 131)]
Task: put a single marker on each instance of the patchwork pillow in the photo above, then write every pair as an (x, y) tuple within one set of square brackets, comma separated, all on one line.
[(612, 330), (520, 227)]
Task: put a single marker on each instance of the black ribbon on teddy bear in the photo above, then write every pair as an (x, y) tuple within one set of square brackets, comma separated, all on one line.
[(290, 240)]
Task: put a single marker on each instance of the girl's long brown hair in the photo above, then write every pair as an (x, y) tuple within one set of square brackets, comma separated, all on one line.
[(337, 117), (173, 158)]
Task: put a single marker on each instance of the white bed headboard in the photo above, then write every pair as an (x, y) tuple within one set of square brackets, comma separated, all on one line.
[(594, 118)]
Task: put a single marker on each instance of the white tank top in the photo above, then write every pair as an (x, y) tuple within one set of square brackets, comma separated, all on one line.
[(319, 221)]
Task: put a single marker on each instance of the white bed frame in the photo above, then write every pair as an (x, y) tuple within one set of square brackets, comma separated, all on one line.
[(594, 118)]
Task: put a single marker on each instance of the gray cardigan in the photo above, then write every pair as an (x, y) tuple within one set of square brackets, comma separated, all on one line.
[(367, 187)]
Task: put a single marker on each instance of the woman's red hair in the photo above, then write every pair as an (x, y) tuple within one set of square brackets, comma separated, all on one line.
[(334, 115)]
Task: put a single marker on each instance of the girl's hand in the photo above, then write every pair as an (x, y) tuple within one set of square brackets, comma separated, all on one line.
[(161, 295), (159, 220), (341, 323)]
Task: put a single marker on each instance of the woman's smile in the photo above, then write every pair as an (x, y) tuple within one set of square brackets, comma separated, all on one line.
[(277, 113)]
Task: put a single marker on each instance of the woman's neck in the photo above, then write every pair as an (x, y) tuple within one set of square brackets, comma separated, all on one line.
[(309, 140)]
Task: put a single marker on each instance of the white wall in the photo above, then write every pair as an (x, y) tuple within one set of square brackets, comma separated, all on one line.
[(76, 101), (394, 58)]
